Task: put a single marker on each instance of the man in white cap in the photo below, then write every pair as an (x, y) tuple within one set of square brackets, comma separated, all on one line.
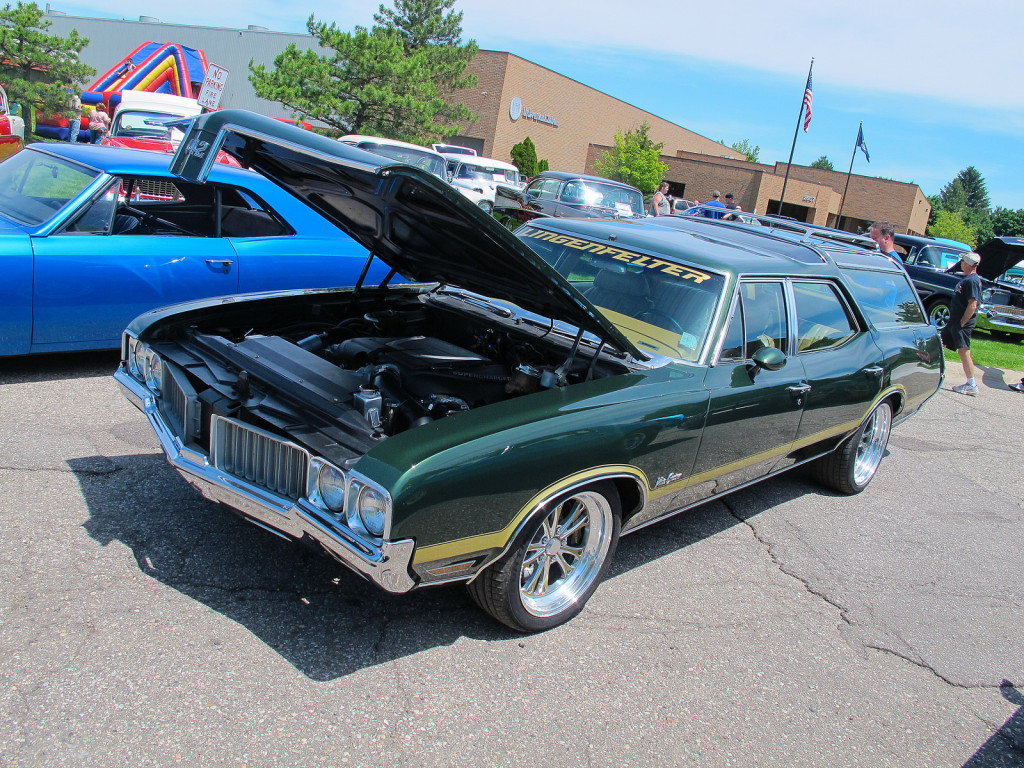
[(963, 315)]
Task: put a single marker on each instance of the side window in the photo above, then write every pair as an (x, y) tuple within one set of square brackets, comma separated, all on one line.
[(764, 317), (887, 298), (573, 193), (96, 218), (822, 319), (547, 189), (732, 347), (757, 320), (244, 215)]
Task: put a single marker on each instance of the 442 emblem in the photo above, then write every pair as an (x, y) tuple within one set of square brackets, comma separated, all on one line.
[(197, 148)]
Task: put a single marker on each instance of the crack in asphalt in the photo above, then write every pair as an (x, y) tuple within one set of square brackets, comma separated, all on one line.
[(843, 611), (782, 566)]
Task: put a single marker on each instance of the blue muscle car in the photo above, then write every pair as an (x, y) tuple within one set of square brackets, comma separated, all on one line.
[(91, 236)]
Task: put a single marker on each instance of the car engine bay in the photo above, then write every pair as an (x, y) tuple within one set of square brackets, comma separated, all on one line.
[(384, 371)]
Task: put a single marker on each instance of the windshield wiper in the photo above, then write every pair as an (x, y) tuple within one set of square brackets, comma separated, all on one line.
[(477, 301)]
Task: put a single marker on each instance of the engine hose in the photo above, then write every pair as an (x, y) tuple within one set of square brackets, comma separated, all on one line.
[(388, 380)]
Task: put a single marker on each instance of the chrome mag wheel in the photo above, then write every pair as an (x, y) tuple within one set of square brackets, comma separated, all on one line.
[(938, 315), (566, 554), (873, 439)]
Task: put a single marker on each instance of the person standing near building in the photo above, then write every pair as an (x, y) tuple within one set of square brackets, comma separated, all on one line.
[(99, 123), (714, 202), (659, 204), (963, 315), (75, 119)]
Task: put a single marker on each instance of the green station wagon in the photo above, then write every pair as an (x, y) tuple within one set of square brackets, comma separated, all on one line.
[(502, 420)]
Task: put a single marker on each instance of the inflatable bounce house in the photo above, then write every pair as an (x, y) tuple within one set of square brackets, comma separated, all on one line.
[(155, 67)]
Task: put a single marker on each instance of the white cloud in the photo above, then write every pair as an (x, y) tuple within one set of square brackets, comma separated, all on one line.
[(951, 50), (955, 51)]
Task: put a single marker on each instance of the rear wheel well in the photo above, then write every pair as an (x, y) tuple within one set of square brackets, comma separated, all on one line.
[(896, 402)]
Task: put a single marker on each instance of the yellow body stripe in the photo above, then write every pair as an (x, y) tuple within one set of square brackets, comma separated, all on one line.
[(498, 539)]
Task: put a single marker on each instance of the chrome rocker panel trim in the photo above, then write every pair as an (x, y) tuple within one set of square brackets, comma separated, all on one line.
[(387, 567)]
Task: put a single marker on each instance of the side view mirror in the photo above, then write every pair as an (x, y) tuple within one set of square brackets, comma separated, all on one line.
[(767, 358)]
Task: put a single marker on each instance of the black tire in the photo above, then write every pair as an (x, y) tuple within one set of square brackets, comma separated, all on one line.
[(938, 313), (511, 589), (850, 467)]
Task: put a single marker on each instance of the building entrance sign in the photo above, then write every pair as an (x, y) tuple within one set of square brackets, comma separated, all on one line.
[(517, 110)]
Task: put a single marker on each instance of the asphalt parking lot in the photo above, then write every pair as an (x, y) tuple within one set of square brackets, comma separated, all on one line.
[(141, 625)]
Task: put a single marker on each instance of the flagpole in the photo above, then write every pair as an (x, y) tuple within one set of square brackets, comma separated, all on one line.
[(796, 133), (856, 144)]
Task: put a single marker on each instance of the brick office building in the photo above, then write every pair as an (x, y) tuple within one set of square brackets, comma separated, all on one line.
[(516, 98), (571, 124), (812, 195)]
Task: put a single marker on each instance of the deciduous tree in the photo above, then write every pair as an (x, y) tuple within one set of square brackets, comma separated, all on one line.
[(753, 153), (36, 68), (951, 225), (634, 159), (823, 163), (1007, 222)]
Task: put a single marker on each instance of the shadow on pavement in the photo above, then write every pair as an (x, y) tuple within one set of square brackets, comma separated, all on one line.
[(324, 620), (58, 367), (1005, 748)]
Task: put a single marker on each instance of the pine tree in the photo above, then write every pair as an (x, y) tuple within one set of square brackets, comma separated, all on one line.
[(524, 157), (394, 80), (975, 190), (36, 68)]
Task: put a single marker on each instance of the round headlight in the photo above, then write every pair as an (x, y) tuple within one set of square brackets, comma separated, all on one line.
[(137, 359), (154, 372), (372, 510), (331, 485)]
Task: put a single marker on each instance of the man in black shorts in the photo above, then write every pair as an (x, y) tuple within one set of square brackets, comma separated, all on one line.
[(963, 315)]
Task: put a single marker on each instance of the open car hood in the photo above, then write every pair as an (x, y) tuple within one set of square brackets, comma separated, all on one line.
[(998, 255), (413, 221)]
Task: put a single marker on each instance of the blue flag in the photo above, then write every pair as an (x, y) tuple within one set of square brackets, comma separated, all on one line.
[(860, 143)]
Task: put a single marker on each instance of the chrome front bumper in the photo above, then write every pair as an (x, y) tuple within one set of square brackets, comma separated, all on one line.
[(991, 318), (387, 565)]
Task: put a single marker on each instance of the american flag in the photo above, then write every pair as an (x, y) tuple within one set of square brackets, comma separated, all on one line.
[(808, 100)]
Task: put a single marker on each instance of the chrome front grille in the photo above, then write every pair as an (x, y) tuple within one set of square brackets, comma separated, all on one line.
[(259, 457), (180, 402)]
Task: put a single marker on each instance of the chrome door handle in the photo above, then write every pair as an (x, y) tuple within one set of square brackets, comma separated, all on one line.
[(224, 265), (798, 392), (874, 370)]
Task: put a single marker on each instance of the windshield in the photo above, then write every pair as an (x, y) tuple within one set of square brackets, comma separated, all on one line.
[(594, 194), (938, 256), (144, 125), (485, 173), (34, 186), (419, 158), (660, 306)]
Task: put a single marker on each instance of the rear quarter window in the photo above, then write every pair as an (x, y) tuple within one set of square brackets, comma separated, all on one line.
[(886, 298)]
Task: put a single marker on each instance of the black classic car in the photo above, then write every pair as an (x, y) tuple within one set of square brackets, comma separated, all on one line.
[(933, 267), (535, 395), (553, 193)]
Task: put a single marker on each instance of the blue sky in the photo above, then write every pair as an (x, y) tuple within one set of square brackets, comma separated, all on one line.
[(936, 83)]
